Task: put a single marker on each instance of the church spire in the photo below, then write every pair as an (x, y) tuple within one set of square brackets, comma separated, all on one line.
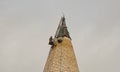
[(62, 29), (61, 57)]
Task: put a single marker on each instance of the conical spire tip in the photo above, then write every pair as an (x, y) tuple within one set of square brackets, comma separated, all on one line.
[(62, 29)]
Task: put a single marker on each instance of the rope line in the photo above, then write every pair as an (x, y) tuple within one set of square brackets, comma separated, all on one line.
[(61, 58)]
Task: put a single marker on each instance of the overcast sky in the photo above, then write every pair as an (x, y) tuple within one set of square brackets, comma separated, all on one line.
[(26, 25)]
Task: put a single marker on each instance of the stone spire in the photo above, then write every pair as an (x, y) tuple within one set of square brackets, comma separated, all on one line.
[(61, 57)]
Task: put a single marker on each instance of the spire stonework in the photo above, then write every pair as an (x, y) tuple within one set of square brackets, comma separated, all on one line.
[(61, 57)]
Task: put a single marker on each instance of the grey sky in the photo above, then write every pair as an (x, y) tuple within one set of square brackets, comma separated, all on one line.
[(25, 27)]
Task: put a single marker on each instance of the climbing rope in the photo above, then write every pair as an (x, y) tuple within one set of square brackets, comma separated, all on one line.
[(61, 58)]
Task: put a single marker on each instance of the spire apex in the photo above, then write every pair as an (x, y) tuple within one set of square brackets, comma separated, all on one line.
[(62, 29)]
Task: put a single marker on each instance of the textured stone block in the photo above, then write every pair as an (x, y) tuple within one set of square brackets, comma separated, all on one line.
[(61, 57)]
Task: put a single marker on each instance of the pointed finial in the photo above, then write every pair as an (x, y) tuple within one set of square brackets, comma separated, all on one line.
[(62, 29)]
